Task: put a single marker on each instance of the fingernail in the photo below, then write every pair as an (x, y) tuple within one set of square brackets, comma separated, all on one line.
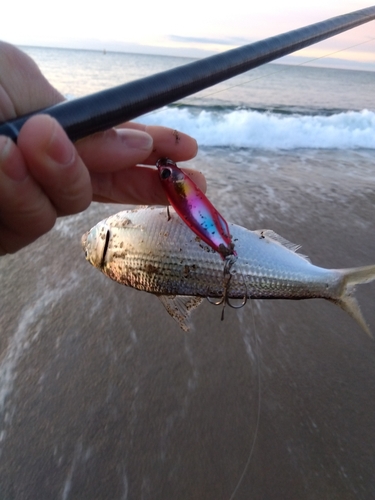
[(135, 139), (5, 145), (60, 149), (16, 171)]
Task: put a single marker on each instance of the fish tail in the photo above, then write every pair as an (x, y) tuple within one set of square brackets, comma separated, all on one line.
[(347, 301)]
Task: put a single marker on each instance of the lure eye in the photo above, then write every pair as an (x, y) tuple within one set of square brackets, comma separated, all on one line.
[(165, 173)]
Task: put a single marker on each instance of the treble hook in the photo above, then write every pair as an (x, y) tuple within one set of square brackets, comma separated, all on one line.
[(226, 301), (244, 301), (212, 301), (229, 261)]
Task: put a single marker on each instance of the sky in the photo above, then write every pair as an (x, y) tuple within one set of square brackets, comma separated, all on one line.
[(196, 28)]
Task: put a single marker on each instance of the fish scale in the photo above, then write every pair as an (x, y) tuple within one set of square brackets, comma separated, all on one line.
[(146, 250)]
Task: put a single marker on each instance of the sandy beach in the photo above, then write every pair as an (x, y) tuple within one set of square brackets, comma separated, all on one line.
[(103, 397)]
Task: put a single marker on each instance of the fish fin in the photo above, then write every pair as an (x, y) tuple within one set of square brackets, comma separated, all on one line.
[(347, 301), (180, 308), (282, 241)]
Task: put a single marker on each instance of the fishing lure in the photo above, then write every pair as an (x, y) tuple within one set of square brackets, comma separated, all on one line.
[(199, 214), (194, 208)]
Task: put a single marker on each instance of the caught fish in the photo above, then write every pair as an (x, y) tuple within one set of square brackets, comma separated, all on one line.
[(143, 250)]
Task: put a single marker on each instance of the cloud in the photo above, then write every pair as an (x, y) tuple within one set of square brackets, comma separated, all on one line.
[(229, 41)]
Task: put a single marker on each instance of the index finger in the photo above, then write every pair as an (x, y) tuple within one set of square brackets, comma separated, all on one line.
[(114, 150), (168, 142)]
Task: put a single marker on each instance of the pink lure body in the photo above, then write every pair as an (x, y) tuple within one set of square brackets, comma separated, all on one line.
[(194, 208)]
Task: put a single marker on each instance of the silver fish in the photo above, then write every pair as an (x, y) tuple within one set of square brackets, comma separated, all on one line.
[(144, 250)]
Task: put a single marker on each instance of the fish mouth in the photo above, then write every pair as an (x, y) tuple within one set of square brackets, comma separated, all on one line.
[(84, 240)]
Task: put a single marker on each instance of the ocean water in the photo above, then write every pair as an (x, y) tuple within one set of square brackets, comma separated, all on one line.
[(272, 107), (102, 396)]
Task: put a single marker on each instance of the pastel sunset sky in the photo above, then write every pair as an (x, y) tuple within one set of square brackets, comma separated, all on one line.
[(195, 28)]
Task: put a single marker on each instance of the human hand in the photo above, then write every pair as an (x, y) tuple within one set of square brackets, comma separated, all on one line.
[(45, 176)]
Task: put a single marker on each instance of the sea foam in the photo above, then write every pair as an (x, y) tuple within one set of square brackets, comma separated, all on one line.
[(268, 130)]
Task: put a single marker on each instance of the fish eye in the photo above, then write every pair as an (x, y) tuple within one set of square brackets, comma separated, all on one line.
[(165, 173)]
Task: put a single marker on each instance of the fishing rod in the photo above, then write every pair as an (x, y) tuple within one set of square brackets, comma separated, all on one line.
[(107, 108)]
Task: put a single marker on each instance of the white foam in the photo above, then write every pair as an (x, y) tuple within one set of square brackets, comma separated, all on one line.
[(265, 130), (21, 339)]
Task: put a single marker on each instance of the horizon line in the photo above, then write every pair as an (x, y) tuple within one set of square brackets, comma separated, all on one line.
[(290, 60)]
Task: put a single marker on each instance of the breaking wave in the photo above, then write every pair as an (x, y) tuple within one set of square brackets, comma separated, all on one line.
[(246, 128)]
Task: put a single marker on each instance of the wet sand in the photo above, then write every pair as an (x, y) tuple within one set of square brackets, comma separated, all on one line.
[(103, 397)]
